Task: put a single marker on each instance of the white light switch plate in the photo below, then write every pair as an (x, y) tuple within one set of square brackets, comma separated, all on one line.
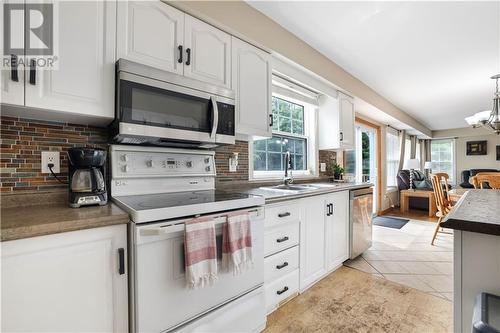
[(322, 167), (51, 157), (232, 166)]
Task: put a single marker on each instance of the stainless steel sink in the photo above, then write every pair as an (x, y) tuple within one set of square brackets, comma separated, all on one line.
[(291, 188), (298, 188)]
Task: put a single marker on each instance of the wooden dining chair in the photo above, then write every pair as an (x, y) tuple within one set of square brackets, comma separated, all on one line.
[(491, 178), (442, 197)]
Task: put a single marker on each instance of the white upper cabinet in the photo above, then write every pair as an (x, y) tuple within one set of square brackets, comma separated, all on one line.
[(83, 81), (251, 72), (208, 53), (68, 282), (337, 229), (12, 80), (312, 240), (346, 117), (151, 33), (336, 122)]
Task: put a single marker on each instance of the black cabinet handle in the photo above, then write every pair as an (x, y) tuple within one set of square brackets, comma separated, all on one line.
[(271, 122), (180, 54), (283, 265), (341, 136), (279, 292), (328, 210), (283, 239), (13, 68), (284, 214), (121, 261), (33, 71), (188, 52), (331, 209)]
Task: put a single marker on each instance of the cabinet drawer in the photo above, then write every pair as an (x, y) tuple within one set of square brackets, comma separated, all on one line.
[(282, 213), (280, 238), (280, 290), (281, 263)]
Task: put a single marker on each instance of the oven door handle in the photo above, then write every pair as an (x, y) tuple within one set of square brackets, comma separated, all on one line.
[(215, 116)]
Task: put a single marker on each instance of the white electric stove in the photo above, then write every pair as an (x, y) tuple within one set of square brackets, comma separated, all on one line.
[(161, 188)]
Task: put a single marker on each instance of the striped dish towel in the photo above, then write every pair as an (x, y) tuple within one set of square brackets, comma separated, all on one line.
[(200, 252), (237, 243)]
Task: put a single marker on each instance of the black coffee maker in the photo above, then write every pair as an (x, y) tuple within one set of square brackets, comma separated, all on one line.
[(87, 182)]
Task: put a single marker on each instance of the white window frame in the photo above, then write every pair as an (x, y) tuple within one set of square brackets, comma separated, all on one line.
[(311, 136), (454, 180), (397, 135)]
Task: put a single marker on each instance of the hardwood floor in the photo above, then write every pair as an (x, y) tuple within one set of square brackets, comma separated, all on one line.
[(349, 300)]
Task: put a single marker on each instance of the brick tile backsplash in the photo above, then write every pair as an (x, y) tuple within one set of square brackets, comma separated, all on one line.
[(328, 157), (23, 140), (222, 155)]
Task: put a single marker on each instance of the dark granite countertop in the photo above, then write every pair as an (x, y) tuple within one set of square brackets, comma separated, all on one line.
[(272, 196), (477, 211), (20, 221)]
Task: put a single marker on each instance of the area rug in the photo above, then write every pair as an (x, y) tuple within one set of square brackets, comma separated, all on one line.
[(389, 222)]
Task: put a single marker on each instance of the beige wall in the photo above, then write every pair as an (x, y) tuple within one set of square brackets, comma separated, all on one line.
[(242, 20), (464, 162)]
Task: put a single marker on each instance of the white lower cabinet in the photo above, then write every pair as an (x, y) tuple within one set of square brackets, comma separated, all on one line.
[(317, 231), (312, 240), (68, 282), (337, 230)]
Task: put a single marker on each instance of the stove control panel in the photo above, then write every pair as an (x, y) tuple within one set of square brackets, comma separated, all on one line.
[(158, 162)]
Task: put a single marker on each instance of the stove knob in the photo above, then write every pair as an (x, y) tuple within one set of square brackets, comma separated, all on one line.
[(125, 157), (125, 168), (149, 163), (207, 160), (189, 164), (207, 168)]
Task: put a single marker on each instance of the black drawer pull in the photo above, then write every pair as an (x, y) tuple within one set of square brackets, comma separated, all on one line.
[(271, 123), (121, 261), (188, 52), (13, 68), (279, 292), (33, 71), (283, 265), (180, 54), (283, 239), (284, 214)]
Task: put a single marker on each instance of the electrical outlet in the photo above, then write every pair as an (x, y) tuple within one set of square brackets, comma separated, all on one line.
[(322, 167), (51, 157)]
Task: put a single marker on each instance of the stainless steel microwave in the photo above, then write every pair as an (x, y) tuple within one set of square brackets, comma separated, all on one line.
[(161, 108)]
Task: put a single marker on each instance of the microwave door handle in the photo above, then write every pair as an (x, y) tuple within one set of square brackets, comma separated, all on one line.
[(215, 111)]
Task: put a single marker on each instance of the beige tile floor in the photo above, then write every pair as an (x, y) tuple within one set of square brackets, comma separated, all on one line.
[(349, 300), (405, 256)]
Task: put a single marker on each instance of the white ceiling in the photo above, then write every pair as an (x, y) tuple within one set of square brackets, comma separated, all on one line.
[(431, 59)]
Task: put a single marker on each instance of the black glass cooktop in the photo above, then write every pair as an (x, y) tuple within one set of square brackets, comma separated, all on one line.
[(176, 199)]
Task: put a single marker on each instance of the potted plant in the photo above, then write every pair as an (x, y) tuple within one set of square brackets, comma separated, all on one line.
[(337, 170)]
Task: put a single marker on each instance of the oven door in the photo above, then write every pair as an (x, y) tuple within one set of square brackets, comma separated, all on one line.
[(161, 299), (149, 107)]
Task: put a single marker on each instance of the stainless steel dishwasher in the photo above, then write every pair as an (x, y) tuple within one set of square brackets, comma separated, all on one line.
[(360, 224)]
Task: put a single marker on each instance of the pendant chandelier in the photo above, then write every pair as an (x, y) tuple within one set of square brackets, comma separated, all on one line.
[(488, 119)]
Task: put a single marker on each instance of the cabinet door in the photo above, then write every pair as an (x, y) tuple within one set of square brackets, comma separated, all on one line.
[(12, 80), (82, 82), (66, 282), (251, 79), (328, 123), (150, 33), (209, 49), (347, 119), (312, 241), (337, 230)]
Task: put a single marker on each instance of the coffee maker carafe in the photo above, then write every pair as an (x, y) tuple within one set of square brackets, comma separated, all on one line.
[(87, 181)]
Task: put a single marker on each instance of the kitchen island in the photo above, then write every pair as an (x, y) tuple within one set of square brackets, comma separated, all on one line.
[(476, 259)]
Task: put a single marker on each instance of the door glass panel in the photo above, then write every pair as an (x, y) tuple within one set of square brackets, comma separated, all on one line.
[(146, 105)]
